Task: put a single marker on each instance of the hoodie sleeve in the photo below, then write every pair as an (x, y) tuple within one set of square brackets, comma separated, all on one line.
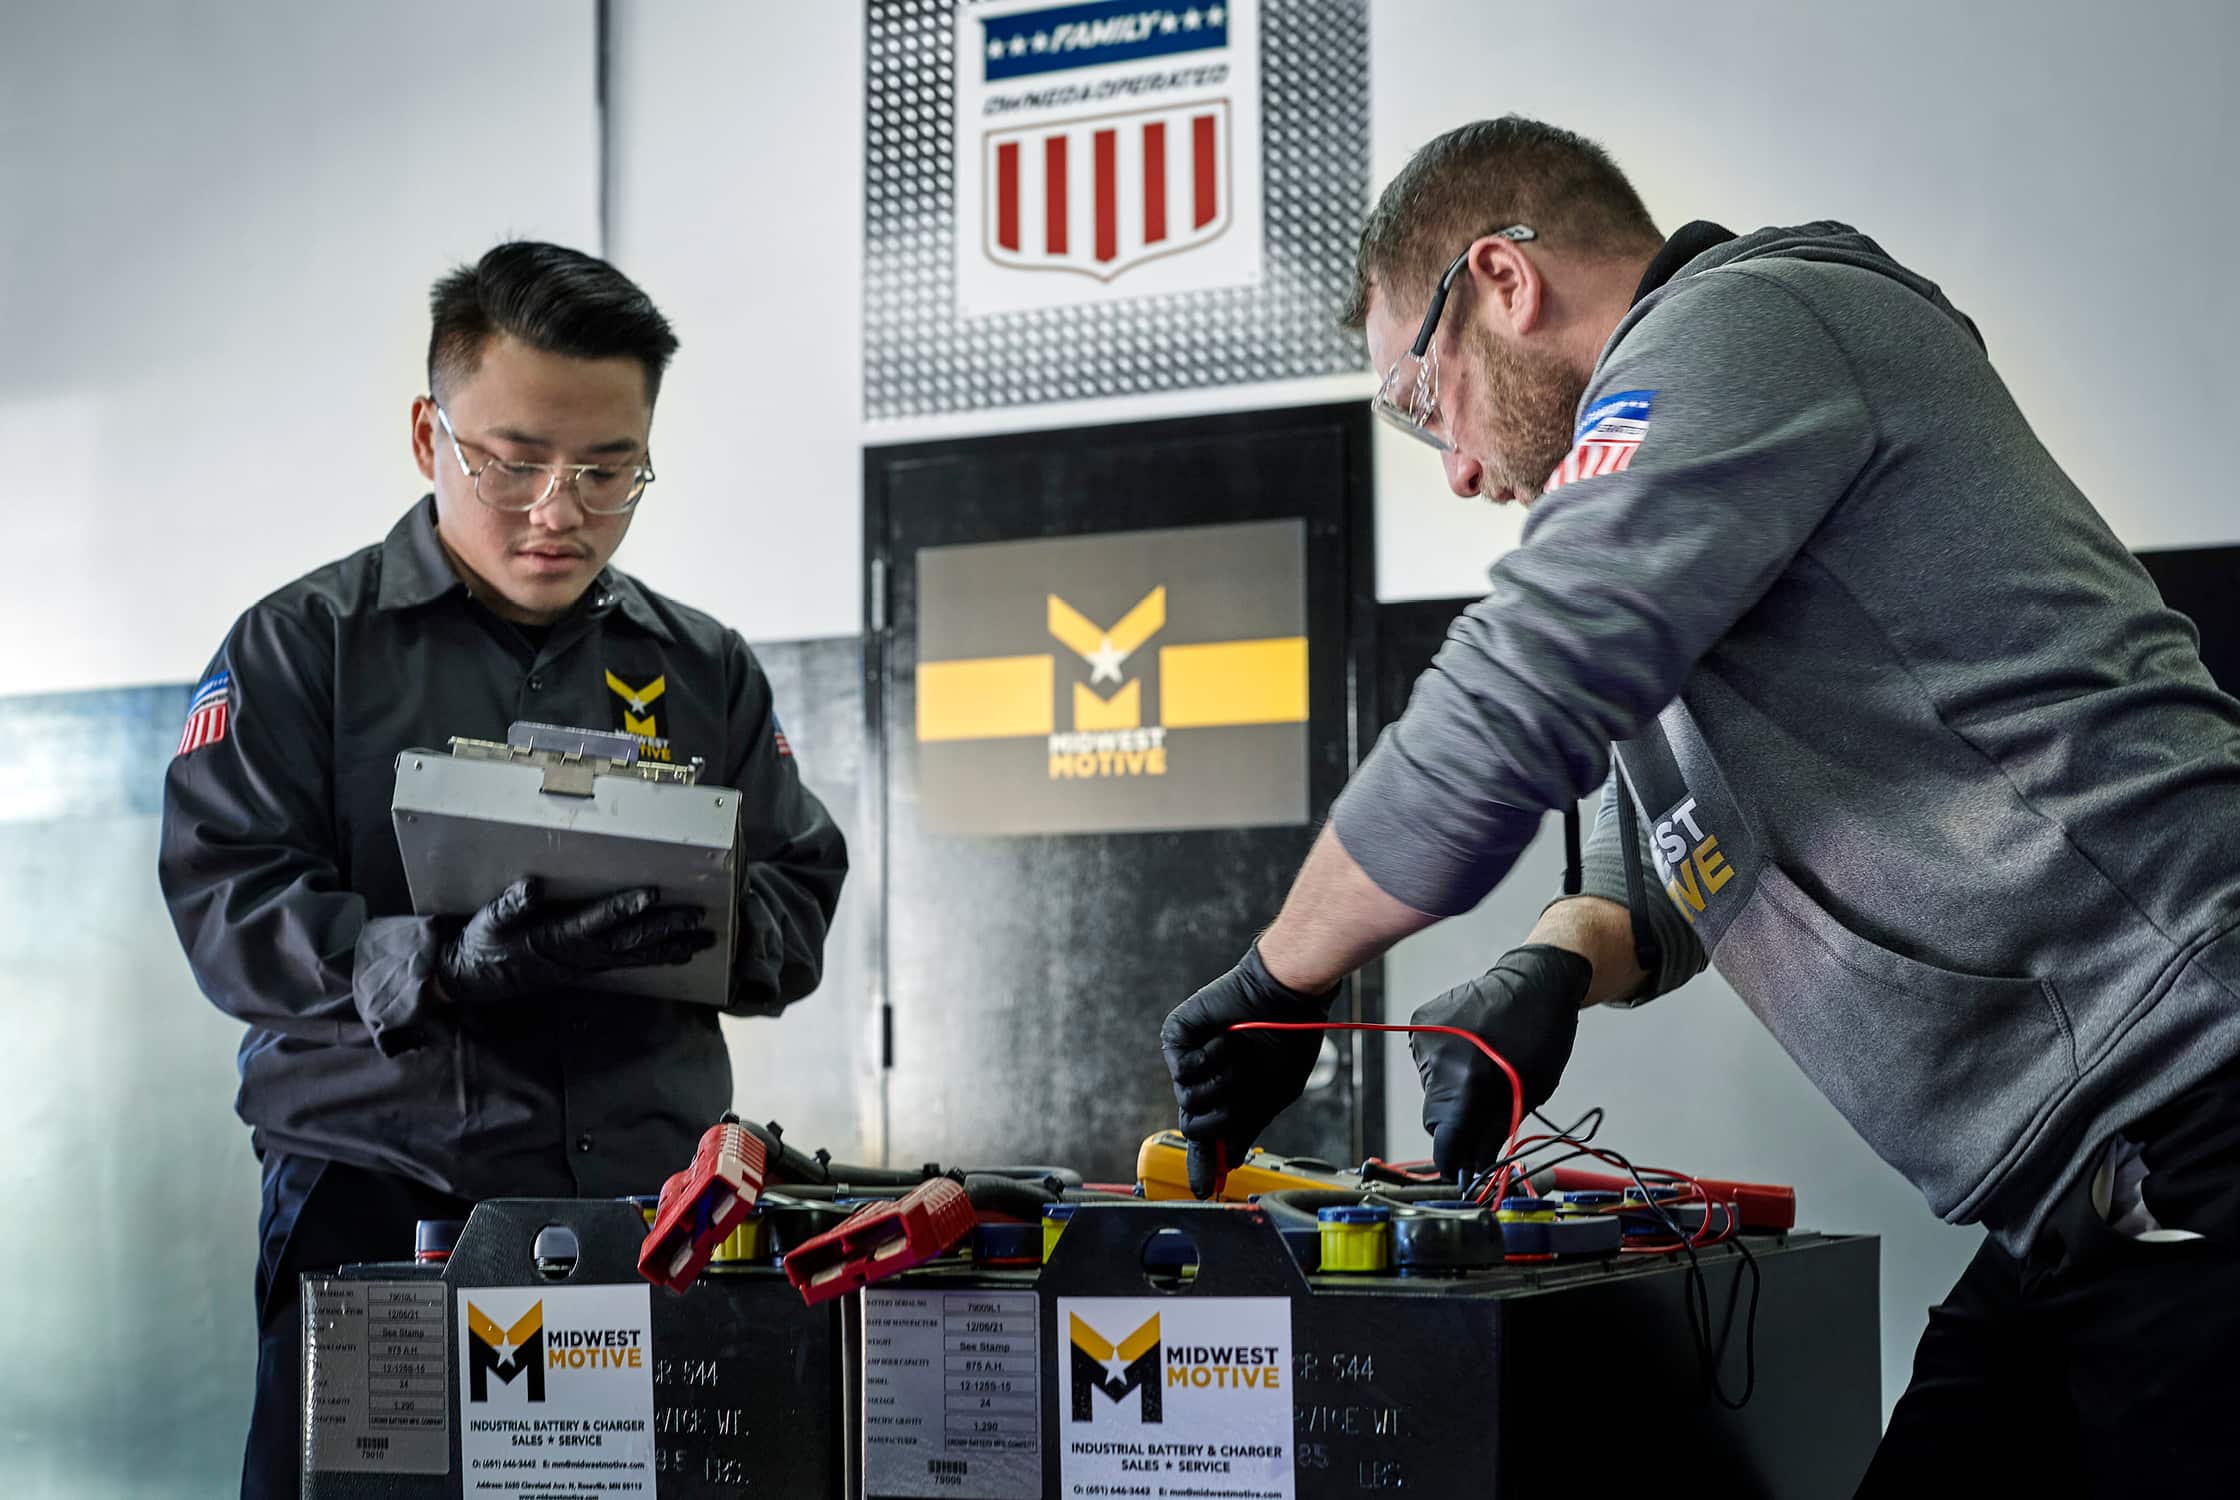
[(1602, 872), (1717, 435)]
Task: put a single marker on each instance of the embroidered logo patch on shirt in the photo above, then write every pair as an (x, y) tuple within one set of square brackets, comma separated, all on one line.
[(641, 707), (206, 714), (1609, 433), (778, 737)]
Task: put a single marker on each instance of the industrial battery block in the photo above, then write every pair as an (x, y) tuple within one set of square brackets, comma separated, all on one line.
[(1170, 1349), (536, 1361)]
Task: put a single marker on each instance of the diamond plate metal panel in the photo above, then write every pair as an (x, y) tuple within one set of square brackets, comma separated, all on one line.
[(921, 359)]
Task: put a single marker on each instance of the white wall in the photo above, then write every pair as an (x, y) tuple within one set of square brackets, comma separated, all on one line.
[(736, 135), (220, 222)]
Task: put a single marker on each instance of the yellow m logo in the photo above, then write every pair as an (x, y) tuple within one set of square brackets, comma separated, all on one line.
[(511, 1354), (1100, 1366), (637, 704), (1104, 1351), (485, 1327), (1104, 651)]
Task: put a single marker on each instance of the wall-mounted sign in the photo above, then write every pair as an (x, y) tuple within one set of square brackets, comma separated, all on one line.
[(1132, 680), (1105, 150), (1214, 180)]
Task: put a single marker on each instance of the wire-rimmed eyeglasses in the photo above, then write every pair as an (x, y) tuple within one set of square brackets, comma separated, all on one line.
[(1420, 385), (501, 484)]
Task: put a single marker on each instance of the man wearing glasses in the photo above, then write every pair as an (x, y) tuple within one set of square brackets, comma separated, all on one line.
[(1898, 735), (400, 1067)]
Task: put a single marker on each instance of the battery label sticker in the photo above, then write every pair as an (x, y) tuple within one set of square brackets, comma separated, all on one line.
[(1176, 1396), (556, 1391), (376, 1394), (952, 1394)]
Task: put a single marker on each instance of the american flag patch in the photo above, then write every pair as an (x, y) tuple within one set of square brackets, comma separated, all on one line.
[(206, 714), (1610, 432), (778, 738)]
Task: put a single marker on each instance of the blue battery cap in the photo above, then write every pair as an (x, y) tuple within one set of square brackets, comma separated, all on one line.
[(1596, 1198), (1008, 1243), (435, 1239), (1357, 1214)]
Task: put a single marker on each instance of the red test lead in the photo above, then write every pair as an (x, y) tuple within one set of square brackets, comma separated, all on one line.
[(1500, 1185)]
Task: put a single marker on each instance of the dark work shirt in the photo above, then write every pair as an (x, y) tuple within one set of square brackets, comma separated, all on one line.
[(284, 879)]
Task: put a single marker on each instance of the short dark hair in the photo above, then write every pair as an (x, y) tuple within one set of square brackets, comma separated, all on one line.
[(551, 298), (1486, 176)]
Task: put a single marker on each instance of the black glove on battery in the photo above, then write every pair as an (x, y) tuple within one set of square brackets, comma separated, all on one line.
[(1526, 1007), (520, 945), (1230, 1085)]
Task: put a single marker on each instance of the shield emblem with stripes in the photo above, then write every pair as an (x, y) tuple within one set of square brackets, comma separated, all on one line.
[(1101, 194)]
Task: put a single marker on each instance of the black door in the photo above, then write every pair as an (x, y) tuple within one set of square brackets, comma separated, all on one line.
[(1026, 972)]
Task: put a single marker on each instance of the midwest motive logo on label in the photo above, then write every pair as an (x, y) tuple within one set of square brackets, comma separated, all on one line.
[(526, 1350), (1102, 1366), (1141, 1364), (558, 1385), (513, 1352), (1189, 1393)]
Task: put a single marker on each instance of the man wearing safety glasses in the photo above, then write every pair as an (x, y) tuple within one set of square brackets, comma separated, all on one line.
[(1897, 734), (399, 1067)]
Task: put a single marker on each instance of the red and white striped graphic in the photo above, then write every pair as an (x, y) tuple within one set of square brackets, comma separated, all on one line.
[(1589, 459), (206, 715), (1101, 194)]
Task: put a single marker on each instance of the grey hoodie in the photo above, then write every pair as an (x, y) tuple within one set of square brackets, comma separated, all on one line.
[(1928, 769)]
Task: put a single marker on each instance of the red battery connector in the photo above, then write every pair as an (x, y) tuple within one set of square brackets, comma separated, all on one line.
[(701, 1205), (880, 1240)]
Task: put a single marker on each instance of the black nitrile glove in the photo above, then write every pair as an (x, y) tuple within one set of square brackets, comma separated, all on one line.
[(1526, 1007), (1230, 1085), (518, 945)]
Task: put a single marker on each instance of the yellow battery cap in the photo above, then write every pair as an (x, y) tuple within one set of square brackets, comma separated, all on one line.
[(1356, 1239)]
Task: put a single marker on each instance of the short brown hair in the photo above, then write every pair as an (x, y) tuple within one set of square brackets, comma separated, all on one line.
[(1486, 176)]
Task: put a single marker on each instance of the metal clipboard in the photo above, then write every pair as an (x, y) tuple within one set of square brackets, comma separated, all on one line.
[(583, 811)]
